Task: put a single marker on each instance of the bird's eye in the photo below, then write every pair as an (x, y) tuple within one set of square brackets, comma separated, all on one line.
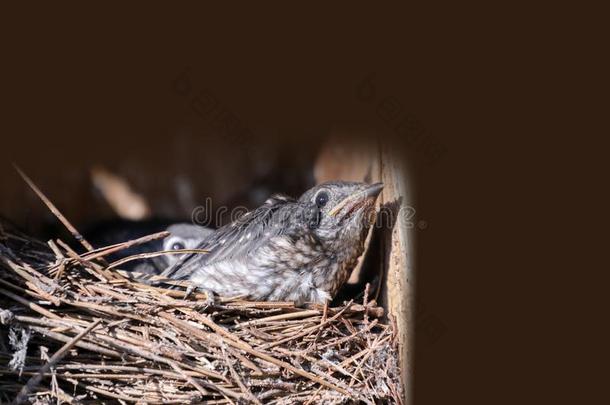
[(178, 246), (321, 199)]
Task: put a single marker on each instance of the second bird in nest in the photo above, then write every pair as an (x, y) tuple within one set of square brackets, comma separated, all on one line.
[(182, 236)]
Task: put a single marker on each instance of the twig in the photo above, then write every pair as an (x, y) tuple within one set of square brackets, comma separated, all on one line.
[(35, 380), (29, 304), (238, 380), (124, 245), (54, 210), (154, 254)]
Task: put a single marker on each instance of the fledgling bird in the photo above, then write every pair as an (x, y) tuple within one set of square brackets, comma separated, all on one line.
[(182, 236), (287, 250)]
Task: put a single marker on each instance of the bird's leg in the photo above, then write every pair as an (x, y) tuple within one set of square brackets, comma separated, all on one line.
[(208, 293), (189, 291)]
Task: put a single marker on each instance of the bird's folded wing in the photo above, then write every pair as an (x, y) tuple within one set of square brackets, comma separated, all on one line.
[(235, 240)]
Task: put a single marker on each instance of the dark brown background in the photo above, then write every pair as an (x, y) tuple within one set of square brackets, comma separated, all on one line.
[(498, 264)]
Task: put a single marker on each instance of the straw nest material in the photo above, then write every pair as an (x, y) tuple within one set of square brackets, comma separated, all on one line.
[(76, 329)]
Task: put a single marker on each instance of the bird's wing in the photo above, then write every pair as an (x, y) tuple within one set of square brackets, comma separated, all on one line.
[(236, 239)]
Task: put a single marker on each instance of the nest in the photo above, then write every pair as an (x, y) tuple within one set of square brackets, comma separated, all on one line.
[(77, 329)]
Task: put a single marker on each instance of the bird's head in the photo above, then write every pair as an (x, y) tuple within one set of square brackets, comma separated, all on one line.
[(344, 208), (183, 236)]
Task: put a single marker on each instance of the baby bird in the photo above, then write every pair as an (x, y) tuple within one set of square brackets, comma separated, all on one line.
[(182, 236), (287, 250)]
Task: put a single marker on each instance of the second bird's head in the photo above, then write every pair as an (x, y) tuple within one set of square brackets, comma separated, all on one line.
[(183, 236)]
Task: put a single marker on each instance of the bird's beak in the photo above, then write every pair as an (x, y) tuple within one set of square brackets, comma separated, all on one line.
[(359, 198)]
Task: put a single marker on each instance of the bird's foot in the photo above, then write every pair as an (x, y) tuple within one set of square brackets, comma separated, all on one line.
[(189, 291), (209, 301)]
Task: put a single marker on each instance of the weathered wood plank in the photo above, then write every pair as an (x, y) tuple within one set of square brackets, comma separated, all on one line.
[(368, 159), (399, 249)]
